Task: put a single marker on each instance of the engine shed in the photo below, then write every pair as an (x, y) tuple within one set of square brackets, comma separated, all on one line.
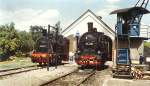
[(81, 26)]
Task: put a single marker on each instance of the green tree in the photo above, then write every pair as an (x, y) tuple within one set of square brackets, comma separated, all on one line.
[(27, 43), (9, 40), (36, 32)]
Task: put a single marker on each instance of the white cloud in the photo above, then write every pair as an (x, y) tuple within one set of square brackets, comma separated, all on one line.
[(105, 14), (106, 10), (113, 1), (88, 1), (24, 18)]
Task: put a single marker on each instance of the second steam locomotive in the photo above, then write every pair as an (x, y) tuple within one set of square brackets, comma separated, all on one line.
[(92, 47), (51, 48)]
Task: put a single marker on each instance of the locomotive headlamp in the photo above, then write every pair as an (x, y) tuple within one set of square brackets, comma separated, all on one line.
[(78, 51), (99, 52)]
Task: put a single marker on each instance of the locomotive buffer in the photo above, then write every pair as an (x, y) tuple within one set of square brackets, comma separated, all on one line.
[(127, 28)]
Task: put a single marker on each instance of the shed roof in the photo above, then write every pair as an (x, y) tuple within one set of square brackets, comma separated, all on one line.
[(128, 10), (97, 17)]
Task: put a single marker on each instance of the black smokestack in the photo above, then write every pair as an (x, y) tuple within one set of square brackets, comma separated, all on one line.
[(44, 32), (90, 26)]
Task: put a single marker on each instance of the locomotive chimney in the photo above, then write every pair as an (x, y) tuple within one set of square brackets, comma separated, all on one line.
[(90, 26)]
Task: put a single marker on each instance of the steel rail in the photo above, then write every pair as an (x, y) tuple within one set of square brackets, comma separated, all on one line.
[(84, 80), (18, 70), (45, 84), (5, 70), (48, 83)]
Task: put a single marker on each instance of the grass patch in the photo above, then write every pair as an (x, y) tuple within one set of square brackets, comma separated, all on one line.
[(147, 44), (15, 63)]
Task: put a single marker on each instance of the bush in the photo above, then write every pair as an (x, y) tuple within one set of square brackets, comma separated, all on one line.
[(18, 54), (147, 44), (3, 57)]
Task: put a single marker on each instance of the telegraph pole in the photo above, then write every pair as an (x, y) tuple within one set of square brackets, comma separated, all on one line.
[(48, 45), (53, 53)]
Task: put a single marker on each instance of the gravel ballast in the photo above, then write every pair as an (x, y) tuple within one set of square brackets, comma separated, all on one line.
[(37, 77)]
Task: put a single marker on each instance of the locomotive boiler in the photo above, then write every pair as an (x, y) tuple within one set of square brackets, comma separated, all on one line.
[(51, 48), (92, 48)]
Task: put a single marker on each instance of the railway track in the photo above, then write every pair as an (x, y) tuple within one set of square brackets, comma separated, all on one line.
[(17, 70), (73, 79)]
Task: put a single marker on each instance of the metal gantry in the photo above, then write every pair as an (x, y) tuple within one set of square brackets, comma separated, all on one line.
[(127, 28), (143, 4)]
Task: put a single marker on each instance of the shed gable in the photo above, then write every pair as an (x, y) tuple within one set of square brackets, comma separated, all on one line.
[(80, 25)]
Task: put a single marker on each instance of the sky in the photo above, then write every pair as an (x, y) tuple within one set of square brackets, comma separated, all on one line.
[(25, 13)]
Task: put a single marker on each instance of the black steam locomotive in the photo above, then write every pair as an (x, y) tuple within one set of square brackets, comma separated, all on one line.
[(50, 48), (93, 49)]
